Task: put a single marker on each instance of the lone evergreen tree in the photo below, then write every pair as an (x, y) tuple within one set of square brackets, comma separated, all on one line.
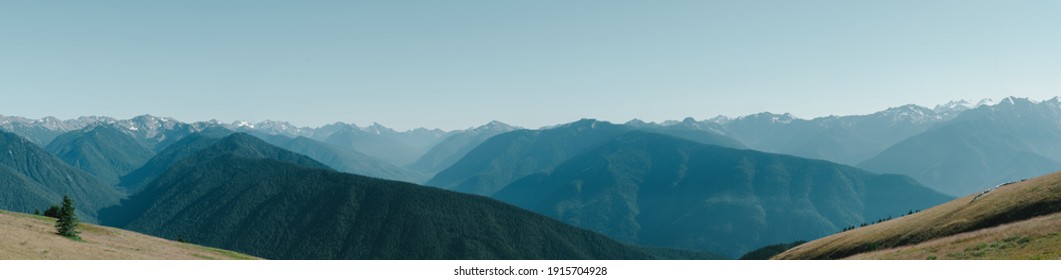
[(67, 223)]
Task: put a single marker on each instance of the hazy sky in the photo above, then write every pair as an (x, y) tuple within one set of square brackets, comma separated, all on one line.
[(456, 64)]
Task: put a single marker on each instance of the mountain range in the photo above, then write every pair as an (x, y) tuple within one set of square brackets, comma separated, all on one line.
[(101, 150), (507, 157), (841, 139), (243, 194), (33, 179), (456, 146), (957, 148), (686, 188), (663, 191), (981, 147)]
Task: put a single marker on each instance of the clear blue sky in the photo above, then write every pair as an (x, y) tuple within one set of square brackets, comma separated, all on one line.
[(456, 64)]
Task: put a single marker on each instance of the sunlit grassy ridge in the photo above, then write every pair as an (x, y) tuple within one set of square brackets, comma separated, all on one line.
[(32, 237), (1034, 239), (1008, 206)]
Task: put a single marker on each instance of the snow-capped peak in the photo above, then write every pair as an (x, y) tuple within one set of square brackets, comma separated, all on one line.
[(243, 124), (773, 118), (1016, 100), (720, 119), (491, 126), (912, 113), (962, 105), (582, 124), (376, 128), (495, 125)]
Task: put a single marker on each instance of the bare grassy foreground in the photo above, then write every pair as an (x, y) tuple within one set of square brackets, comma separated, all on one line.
[(1016, 221), (1034, 239), (31, 237)]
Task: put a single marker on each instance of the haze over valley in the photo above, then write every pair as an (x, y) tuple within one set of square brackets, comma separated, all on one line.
[(714, 188)]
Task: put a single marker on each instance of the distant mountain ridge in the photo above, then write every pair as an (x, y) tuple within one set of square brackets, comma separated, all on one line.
[(510, 156), (958, 147), (33, 179), (664, 191), (43, 130), (102, 150), (848, 139), (402, 149), (1014, 139), (457, 145), (241, 193), (344, 159), (418, 155), (155, 132)]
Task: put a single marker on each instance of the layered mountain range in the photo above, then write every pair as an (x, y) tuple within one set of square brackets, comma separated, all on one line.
[(677, 189), (240, 193), (981, 147), (957, 148), (33, 179), (658, 187)]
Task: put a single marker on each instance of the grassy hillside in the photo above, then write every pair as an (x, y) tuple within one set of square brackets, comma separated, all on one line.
[(1034, 239), (1005, 205), (30, 237)]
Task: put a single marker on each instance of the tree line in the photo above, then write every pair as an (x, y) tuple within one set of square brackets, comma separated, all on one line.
[(881, 220), (66, 222)]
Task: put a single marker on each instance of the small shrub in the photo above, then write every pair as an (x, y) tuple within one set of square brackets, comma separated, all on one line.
[(52, 211)]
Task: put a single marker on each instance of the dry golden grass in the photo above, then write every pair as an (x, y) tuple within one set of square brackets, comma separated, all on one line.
[(1038, 238), (31, 237), (1008, 204)]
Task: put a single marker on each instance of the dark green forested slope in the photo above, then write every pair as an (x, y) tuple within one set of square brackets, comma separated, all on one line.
[(657, 190), (454, 147), (31, 178), (101, 150), (278, 206), (767, 252), (510, 156), (187, 146)]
